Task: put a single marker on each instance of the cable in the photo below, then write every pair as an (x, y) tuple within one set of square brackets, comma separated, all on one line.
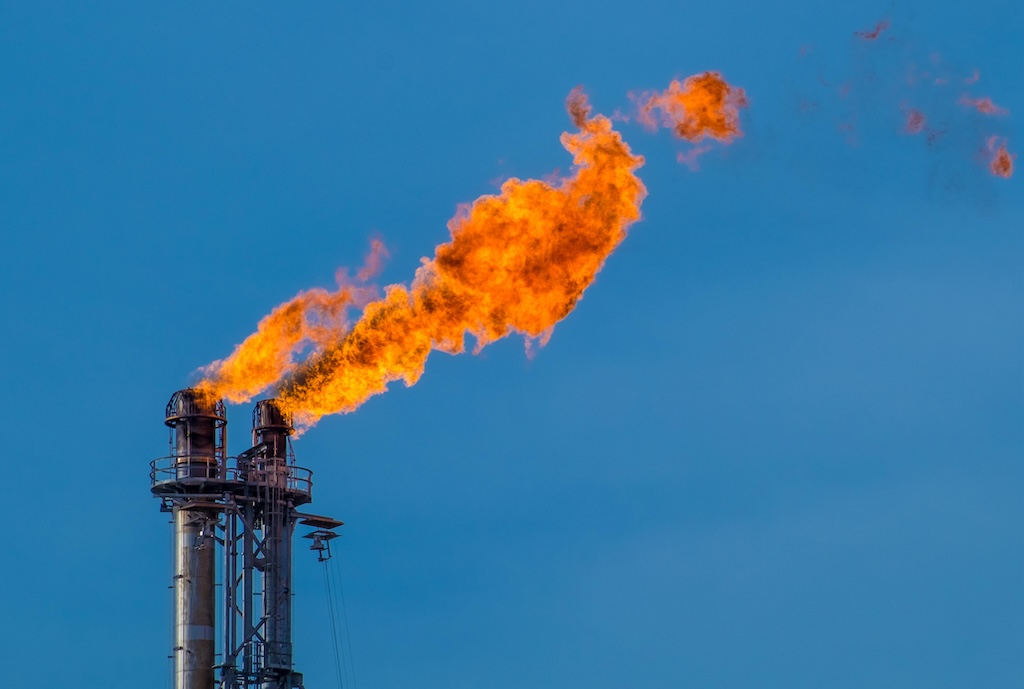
[(348, 635), (334, 626)]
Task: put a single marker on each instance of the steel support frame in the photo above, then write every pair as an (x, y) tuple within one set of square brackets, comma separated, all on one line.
[(257, 533)]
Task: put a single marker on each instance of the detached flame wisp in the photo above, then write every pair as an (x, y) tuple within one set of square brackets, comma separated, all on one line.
[(1001, 160), (915, 123), (926, 83), (699, 107), (983, 105), (517, 262), (704, 105), (873, 34)]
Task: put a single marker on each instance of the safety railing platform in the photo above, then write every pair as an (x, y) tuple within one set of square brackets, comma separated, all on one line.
[(202, 474)]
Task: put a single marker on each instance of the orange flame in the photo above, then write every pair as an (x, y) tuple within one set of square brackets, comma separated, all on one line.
[(983, 105), (517, 262), (701, 105), (1001, 164), (313, 317)]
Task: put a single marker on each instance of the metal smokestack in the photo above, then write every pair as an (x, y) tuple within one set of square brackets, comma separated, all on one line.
[(270, 431), (271, 427), (197, 435)]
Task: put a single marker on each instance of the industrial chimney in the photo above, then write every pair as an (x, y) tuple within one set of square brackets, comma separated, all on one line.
[(245, 507), (197, 460)]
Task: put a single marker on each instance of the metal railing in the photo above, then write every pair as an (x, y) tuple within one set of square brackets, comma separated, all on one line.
[(274, 473), (190, 470)]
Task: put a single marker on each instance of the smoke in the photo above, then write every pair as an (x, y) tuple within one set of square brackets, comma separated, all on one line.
[(873, 34), (892, 77)]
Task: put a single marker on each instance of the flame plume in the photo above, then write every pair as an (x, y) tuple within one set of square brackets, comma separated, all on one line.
[(517, 262), (313, 317), (260, 361)]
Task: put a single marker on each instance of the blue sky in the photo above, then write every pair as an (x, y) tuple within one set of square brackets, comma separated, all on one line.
[(778, 443)]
